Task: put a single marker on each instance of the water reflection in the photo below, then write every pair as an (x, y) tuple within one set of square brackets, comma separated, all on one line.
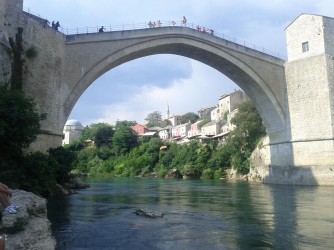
[(199, 215)]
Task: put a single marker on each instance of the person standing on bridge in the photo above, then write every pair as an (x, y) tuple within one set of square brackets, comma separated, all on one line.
[(57, 25), (184, 21), (102, 29)]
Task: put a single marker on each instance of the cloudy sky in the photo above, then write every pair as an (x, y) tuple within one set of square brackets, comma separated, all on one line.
[(137, 88)]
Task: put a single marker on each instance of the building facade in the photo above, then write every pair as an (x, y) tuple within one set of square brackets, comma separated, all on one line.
[(139, 129), (72, 131), (230, 102)]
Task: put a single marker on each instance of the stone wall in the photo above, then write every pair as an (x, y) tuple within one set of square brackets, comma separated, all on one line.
[(29, 228), (297, 163)]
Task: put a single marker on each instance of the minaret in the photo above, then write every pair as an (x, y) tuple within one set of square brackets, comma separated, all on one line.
[(167, 113)]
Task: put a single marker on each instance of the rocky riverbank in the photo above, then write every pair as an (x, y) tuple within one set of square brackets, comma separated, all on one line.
[(29, 228)]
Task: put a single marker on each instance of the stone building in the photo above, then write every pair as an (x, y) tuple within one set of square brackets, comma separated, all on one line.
[(72, 131), (205, 112), (230, 102)]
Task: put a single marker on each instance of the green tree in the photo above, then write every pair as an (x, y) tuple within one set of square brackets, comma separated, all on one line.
[(249, 127), (243, 139), (124, 123), (153, 119), (189, 117), (37, 174), (19, 123), (123, 140), (65, 159), (165, 123), (100, 133)]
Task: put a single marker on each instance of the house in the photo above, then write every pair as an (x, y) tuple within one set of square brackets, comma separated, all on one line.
[(165, 133), (215, 115), (230, 102), (139, 129), (72, 131), (205, 112), (181, 130), (194, 129), (212, 128), (175, 120)]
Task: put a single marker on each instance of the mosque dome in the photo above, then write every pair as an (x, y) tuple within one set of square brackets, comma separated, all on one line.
[(73, 122)]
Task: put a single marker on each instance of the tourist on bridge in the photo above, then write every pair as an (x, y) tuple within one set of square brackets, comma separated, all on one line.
[(102, 29), (184, 21), (57, 25), (150, 24)]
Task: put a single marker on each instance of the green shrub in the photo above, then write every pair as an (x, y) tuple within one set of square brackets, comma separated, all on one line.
[(161, 172), (219, 173), (37, 174), (65, 159), (207, 174)]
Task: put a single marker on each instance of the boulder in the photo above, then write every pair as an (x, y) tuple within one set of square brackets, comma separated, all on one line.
[(29, 228), (173, 174)]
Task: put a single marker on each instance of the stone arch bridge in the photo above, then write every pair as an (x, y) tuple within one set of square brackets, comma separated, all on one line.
[(299, 148), (261, 76)]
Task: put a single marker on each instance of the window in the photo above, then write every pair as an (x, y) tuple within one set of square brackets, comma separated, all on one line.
[(305, 47)]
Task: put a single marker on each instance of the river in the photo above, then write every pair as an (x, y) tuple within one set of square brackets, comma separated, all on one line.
[(198, 215)]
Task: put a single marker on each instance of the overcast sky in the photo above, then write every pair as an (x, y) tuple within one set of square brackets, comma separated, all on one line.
[(137, 88)]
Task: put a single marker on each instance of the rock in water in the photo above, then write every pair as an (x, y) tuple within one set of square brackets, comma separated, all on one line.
[(149, 213)]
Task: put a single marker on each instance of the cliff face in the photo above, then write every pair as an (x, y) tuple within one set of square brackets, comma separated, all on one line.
[(29, 228)]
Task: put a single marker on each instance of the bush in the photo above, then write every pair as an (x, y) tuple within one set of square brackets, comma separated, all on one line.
[(65, 159), (207, 174), (19, 123), (218, 174), (161, 172), (37, 174)]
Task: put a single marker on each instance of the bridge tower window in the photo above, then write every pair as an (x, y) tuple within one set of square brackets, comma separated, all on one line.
[(305, 47)]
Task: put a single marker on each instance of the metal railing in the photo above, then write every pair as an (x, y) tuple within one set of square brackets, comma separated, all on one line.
[(157, 24)]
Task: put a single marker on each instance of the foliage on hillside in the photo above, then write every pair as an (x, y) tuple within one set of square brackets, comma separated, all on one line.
[(127, 157)]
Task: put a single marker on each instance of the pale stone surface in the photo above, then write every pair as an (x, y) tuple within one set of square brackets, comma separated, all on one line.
[(29, 228)]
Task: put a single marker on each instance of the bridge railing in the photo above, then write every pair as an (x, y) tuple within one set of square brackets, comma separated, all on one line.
[(159, 23), (145, 25)]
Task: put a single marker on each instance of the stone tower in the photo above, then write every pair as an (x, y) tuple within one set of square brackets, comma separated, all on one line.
[(310, 87)]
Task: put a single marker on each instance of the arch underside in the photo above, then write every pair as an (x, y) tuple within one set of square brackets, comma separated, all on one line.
[(239, 72)]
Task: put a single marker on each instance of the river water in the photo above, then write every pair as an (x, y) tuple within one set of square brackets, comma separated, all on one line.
[(198, 215)]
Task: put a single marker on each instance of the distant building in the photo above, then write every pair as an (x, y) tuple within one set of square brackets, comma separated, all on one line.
[(211, 128), (205, 112), (194, 129), (215, 114), (139, 129), (72, 131), (181, 130), (230, 102), (175, 119), (165, 133)]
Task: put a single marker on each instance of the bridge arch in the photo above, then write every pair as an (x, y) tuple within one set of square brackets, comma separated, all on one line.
[(261, 76)]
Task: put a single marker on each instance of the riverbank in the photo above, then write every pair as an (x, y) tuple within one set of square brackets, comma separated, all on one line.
[(29, 228)]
